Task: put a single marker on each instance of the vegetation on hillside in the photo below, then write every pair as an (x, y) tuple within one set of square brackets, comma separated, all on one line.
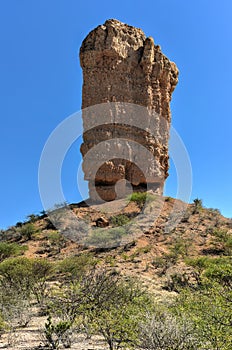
[(101, 293)]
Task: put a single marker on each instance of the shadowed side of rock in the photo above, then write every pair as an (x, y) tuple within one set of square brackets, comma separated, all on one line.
[(120, 65)]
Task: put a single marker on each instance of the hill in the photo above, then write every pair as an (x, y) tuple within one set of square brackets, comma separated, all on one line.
[(172, 255)]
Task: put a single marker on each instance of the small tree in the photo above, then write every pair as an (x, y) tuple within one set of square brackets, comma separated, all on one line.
[(162, 331), (106, 238), (32, 218), (140, 198), (222, 241), (209, 307), (56, 334), (73, 268), (41, 271), (102, 302), (27, 230), (197, 205), (11, 249), (118, 316)]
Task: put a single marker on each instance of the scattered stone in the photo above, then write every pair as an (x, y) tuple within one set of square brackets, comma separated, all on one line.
[(102, 222)]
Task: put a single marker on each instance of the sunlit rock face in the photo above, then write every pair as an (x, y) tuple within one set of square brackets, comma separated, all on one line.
[(126, 137)]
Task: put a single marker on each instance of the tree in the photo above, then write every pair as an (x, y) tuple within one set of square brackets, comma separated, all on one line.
[(118, 320), (56, 333), (102, 302), (198, 205), (27, 230), (209, 306), (10, 249), (163, 331)]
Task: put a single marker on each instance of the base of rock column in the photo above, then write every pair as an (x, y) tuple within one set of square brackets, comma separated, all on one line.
[(107, 193)]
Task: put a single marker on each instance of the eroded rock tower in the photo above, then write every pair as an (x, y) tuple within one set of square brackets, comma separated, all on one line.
[(121, 66)]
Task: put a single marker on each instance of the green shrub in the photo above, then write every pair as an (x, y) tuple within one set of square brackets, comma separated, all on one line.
[(106, 238), (176, 281), (42, 271), (214, 211), (209, 309), (140, 198), (102, 302), (27, 230), (222, 241), (180, 247), (119, 220), (220, 272), (56, 333), (164, 262), (25, 275), (55, 241), (32, 218), (209, 305), (74, 267), (198, 205), (210, 270), (17, 272), (11, 249), (163, 331)]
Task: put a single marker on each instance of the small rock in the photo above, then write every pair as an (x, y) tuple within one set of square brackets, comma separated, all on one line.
[(102, 222)]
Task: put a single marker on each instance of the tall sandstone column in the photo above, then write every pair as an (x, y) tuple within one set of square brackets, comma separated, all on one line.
[(121, 65)]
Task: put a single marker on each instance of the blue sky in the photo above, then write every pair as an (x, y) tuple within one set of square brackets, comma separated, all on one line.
[(41, 81)]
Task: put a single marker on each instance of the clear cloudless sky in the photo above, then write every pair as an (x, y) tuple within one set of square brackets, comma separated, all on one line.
[(41, 82)]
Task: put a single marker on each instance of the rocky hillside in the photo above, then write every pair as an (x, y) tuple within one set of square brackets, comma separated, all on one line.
[(161, 248), (184, 253)]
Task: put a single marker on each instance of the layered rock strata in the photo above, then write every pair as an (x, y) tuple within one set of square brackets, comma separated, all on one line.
[(127, 88)]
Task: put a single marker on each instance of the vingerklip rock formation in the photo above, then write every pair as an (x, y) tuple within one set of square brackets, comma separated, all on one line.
[(129, 76)]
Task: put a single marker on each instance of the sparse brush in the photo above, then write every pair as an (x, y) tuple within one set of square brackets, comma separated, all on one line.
[(198, 206), (140, 198), (119, 220)]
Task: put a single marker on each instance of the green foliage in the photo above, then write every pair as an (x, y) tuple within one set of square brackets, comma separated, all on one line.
[(198, 205), (209, 306), (163, 331), (55, 333), (2, 325), (118, 325), (11, 249), (55, 241), (118, 321), (42, 270), (164, 262), (106, 238), (140, 198), (27, 230), (214, 211), (176, 281), (100, 302), (119, 220), (180, 248), (55, 237), (210, 310), (17, 273), (210, 270), (32, 218), (15, 291), (220, 271), (222, 241), (21, 281), (74, 267), (25, 276)]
